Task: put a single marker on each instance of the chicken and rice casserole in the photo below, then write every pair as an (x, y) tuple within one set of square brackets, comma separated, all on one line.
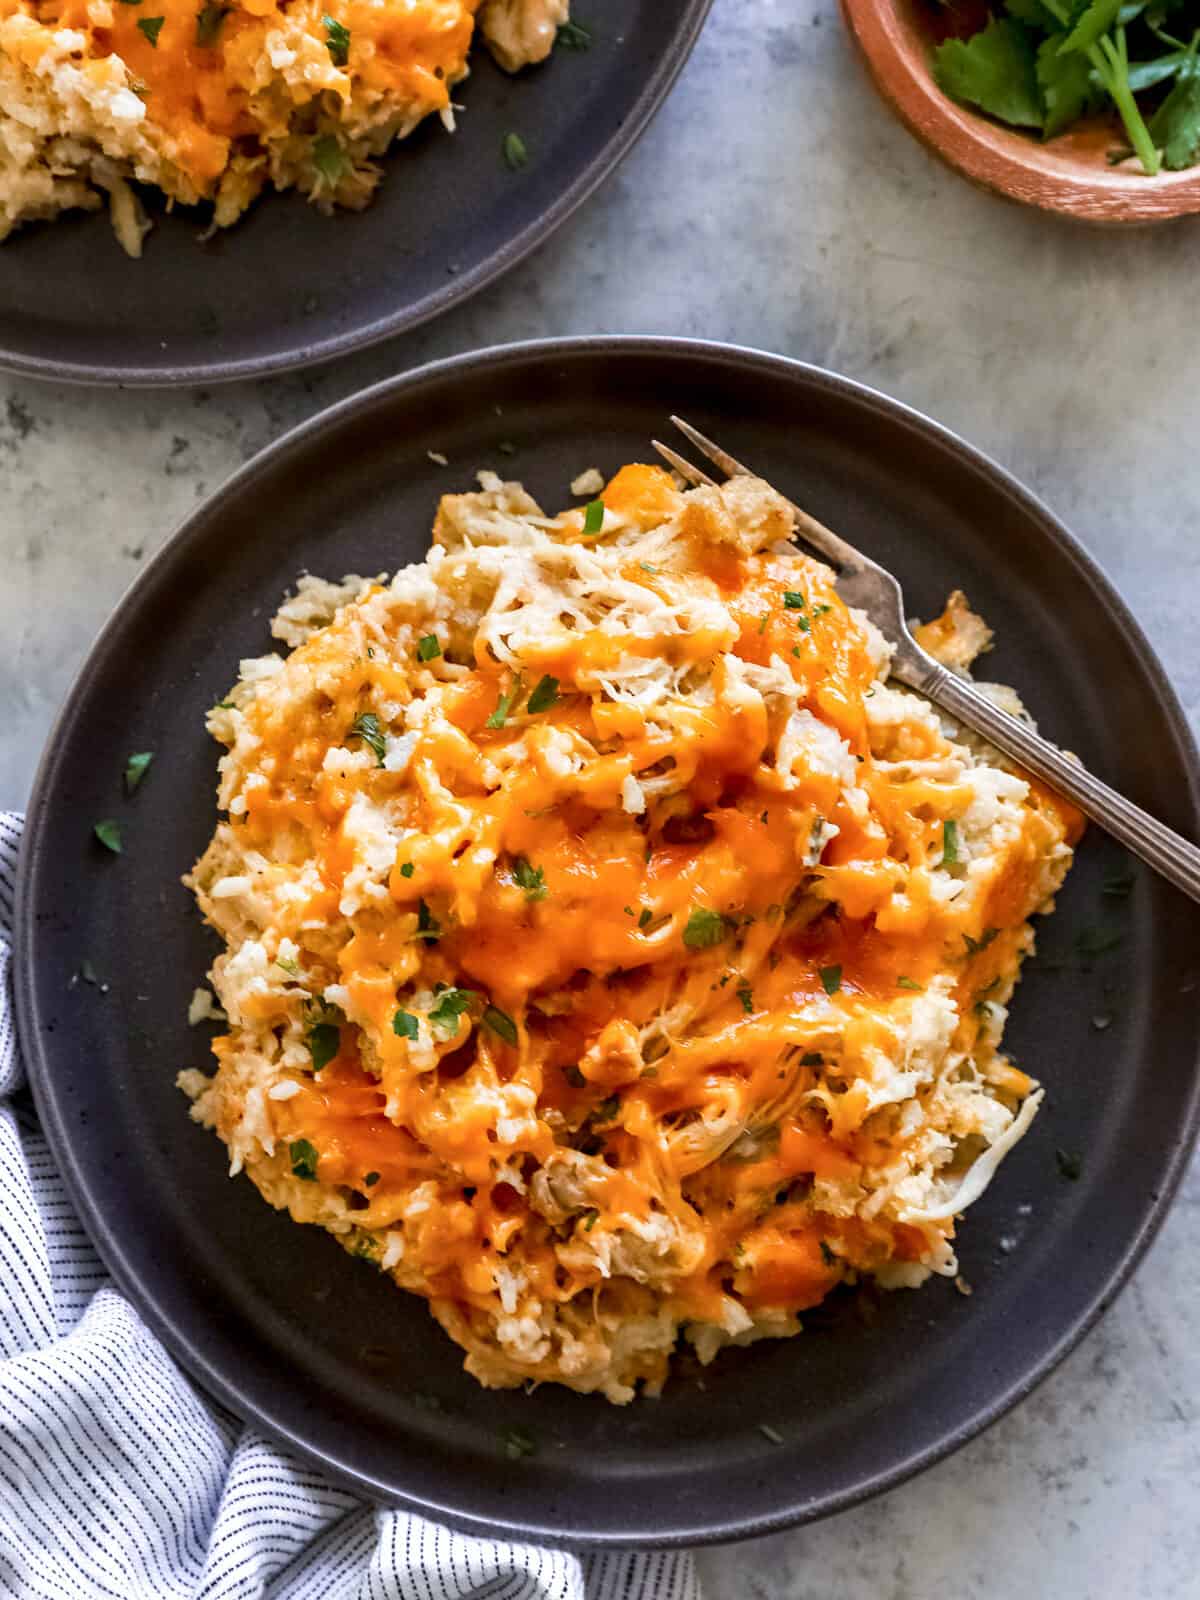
[(612, 955)]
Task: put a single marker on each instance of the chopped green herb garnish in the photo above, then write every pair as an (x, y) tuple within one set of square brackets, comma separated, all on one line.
[(366, 727), (804, 625), (304, 1159), (428, 926), (324, 1042), (501, 1023), (1093, 942), (136, 768), (1070, 1166), (572, 36), (746, 995), (949, 842), (405, 1025), (208, 25), (909, 983), (109, 834), (974, 946), (704, 928), (429, 647), (645, 918), (793, 600), (518, 1443), (337, 37), (504, 705), (831, 978), (544, 695), (370, 1180), (516, 152), (607, 1110), (531, 879), (286, 964), (772, 1435), (406, 869), (450, 1007), (330, 160), (593, 1217), (151, 27), (593, 517)]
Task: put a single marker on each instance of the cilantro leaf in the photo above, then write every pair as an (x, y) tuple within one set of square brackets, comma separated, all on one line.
[(831, 979), (136, 768), (304, 1159), (1066, 85), (531, 879), (109, 834), (337, 38), (704, 928), (544, 695), (501, 1023), (151, 27), (405, 1025), (428, 926), (1089, 23), (996, 70), (504, 705), (324, 1042), (1176, 124), (330, 160), (793, 600), (451, 1005), (208, 24), (366, 727)]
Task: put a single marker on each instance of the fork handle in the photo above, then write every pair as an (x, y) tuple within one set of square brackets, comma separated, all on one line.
[(1161, 847)]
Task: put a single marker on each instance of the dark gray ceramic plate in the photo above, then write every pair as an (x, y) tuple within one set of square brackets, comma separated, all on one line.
[(285, 1328), (288, 286)]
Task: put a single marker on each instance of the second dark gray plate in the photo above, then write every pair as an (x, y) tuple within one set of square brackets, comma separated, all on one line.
[(287, 287), (319, 1349)]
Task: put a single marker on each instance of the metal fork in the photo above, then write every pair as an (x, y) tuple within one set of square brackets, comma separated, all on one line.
[(864, 583)]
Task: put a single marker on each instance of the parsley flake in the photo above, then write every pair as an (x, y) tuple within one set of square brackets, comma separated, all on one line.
[(793, 600), (109, 834), (704, 928), (337, 38), (370, 1180), (531, 879), (949, 843), (746, 995), (151, 27), (208, 24), (304, 1159), (544, 695), (572, 36), (450, 1007), (504, 705), (428, 926), (831, 978), (501, 1023), (515, 151), (366, 727), (324, 1042), (406, 869), (1069, 1166), (429, 647), (405, 1025), (593, 517), (136, 768), (909, 983), (974, 946)]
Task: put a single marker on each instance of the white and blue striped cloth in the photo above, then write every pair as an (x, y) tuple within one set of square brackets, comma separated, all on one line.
[(119, 1480)]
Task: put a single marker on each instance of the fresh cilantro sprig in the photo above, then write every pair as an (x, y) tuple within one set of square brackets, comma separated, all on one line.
[(1044, 64)]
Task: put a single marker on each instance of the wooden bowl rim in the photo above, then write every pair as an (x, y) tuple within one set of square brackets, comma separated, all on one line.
[(1005, 160)]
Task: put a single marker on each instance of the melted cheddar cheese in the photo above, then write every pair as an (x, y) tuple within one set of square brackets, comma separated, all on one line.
[(611, 952), (215, 99)]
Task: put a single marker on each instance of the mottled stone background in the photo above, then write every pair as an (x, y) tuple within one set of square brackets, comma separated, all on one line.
[(774, 202)]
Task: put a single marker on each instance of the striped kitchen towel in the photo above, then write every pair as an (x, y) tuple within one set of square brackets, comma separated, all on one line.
[(119, 1479)]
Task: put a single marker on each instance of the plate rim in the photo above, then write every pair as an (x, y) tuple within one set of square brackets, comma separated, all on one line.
[(180, 1343), (457, 290)]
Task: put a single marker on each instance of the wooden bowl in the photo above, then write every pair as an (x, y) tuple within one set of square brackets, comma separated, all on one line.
[(1069, 174)]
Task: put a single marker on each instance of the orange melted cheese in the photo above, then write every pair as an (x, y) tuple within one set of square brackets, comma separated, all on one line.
[(682, 993), (204, 70)]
